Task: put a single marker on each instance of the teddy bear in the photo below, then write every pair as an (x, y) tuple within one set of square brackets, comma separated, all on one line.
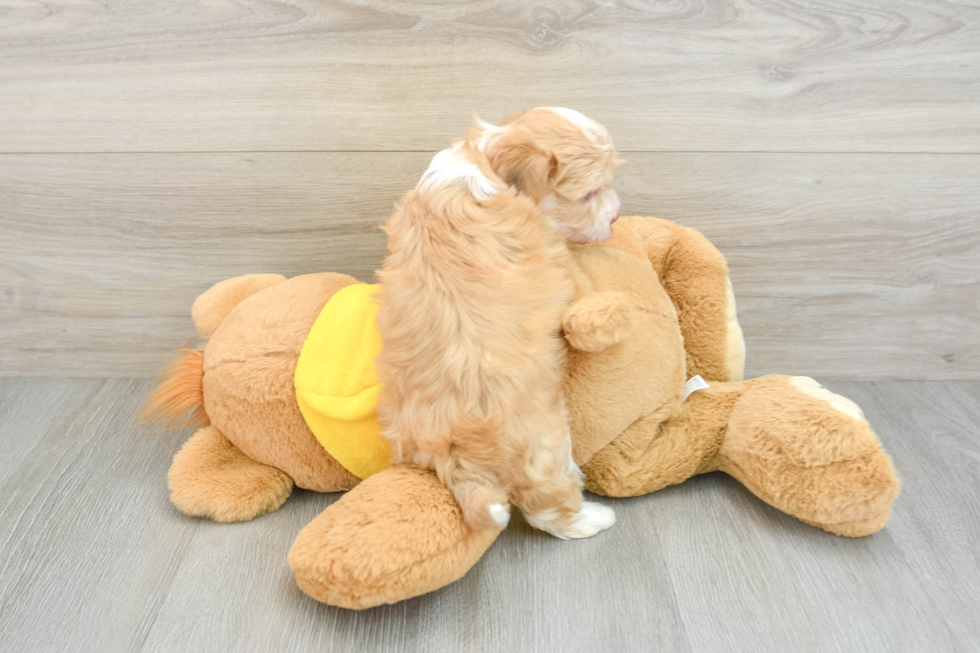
[(653, 387)]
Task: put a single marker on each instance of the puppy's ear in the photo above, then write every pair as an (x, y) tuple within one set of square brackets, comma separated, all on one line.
[(521, 161)]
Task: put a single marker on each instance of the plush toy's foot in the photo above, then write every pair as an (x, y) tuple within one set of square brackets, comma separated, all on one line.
[(211, 478), (855, 528), (810, 453), (398, 534)]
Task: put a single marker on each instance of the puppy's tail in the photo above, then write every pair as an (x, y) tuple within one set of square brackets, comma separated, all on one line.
[(484, 506)]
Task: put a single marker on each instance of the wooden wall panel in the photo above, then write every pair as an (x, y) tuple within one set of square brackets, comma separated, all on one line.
[(685, 75), (845, 265)]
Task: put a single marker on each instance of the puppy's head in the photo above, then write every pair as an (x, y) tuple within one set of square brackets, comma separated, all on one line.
[(564, 161)]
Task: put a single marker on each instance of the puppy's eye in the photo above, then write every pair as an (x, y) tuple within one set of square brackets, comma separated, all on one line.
[(589, 196)]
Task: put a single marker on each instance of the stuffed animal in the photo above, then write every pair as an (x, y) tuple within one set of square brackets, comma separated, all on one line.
[(283, 391)]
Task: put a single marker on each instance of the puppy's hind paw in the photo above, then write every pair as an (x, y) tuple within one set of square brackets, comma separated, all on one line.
[(592, 518)]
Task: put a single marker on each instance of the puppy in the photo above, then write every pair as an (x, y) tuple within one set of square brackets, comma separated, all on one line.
[(472, 297)]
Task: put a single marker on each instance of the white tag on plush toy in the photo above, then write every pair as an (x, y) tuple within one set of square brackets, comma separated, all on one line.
[(694, 384)]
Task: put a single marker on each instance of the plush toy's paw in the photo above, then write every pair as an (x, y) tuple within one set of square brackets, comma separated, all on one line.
[(597, 321), (813, 388), (857, 528), (398, 534), (810, 453), (590, 520), (210, 477)]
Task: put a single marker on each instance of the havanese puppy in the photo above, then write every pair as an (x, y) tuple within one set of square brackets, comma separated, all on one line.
[(471, 303)]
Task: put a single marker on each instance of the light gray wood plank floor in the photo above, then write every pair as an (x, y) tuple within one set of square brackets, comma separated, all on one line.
[(94, 558)]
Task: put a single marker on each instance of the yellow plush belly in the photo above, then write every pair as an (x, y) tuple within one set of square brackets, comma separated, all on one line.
[(336, 383)]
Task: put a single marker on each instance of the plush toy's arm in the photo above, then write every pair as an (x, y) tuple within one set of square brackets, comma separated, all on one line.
[(695, 275), (666, 447)]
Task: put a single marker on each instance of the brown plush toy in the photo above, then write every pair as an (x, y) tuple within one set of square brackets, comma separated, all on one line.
[(654, 307)]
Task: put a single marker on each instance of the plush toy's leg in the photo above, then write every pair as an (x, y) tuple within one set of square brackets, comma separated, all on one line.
[(213, 306), (398, 534), (665, 448), (810, 453), (695, 275), (794, 444), (211, 478)]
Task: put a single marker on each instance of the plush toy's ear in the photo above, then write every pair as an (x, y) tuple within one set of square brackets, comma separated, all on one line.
[(597, 321), (520, 160)]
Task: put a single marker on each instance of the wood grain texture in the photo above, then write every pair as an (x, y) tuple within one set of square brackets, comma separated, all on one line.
[(847, 265), (862, 266), (88, 547), (933, 434), (29, 407), (94, 558), (729, 75)]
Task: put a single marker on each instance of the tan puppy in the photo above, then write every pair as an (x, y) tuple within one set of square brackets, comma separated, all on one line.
[(472, 297)]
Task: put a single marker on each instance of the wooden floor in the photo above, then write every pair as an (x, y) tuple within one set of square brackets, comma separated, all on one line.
[(93, 557)]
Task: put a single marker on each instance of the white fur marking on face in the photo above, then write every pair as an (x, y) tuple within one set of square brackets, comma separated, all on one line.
[(448, 166), (571, 115), (605, 208), (599, 230), (608, 210), (814, 389)]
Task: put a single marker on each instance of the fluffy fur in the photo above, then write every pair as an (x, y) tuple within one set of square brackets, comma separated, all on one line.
[(472, 296), (211, 477), (180, 389)]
